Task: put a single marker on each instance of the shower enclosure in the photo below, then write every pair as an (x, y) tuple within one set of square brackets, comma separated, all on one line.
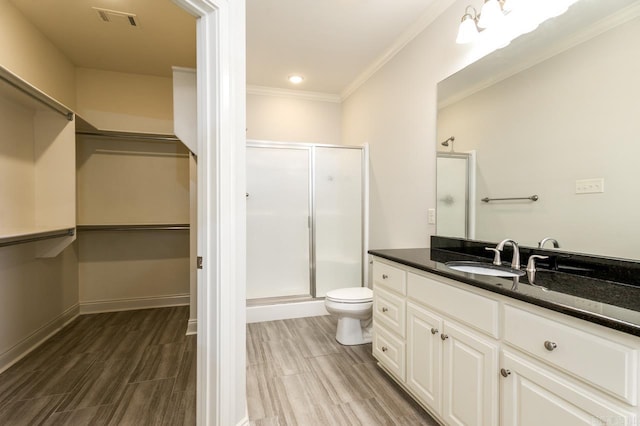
[(455, 192), (305, 220)]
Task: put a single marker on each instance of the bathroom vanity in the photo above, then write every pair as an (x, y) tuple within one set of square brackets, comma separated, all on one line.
[(479, 350)]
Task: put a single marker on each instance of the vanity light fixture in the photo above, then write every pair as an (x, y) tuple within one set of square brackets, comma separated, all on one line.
[(468, 30), (295, 79), (523, 16), (491, 15)]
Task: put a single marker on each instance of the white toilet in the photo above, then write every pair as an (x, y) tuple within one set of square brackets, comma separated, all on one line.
[(353, 307)]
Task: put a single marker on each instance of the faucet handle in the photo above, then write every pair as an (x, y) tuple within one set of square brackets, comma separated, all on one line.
[(531, 264), (496, 255)]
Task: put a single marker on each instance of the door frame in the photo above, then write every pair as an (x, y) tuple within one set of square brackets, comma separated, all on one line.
[(221, 110)]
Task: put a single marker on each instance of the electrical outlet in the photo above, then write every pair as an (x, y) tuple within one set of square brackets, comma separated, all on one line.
[(589, 186), (431, 216)]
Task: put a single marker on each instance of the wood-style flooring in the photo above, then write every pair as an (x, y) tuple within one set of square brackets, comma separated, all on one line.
[(121, 368), (297, 374)]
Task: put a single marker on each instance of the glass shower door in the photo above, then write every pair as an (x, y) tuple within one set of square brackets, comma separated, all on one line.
[(278, 222), (452, 189), (338, 218)]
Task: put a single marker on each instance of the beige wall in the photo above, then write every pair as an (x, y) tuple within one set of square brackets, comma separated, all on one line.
[(132, 182), (290, 119), (28, 54), (125, 102), (37, 191), (576, 118), (395, 112), (127, 266)]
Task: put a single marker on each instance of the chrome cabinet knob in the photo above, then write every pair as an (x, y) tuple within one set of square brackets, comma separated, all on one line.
[(434, 331), (384, 349), (548, 345), (444, 336), (385, 276), (504, 372), (384, 309)]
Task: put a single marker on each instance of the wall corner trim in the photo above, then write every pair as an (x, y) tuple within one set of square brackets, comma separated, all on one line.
[(192, 326)]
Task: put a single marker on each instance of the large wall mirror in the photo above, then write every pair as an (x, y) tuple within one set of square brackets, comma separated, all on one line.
[(555, 114)]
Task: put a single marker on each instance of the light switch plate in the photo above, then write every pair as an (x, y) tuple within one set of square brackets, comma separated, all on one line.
[(589, 186), (431, 216)]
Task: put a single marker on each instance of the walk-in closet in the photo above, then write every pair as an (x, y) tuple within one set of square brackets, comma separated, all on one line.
[(97, 227)]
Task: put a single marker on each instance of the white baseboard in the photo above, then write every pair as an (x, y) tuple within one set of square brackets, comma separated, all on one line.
[(192, 326), (281, 311), (38, 337), (98, 306)]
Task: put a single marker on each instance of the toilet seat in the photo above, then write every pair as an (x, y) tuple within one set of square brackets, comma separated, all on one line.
[(350, 295)]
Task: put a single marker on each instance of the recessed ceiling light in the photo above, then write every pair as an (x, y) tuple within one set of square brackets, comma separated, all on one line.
[(295, 79)]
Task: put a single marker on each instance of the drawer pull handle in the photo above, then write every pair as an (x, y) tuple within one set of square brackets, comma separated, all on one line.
[(384, 309), (385, 276), (434, 331), (384, 349), (505, 372), (548, 345), (444, 336)]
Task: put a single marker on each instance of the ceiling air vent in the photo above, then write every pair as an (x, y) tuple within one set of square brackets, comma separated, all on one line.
[(115, 17)]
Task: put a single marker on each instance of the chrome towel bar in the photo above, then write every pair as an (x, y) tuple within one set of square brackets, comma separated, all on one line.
[(531, 198)]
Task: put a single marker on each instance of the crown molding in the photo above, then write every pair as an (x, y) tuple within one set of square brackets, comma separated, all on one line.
[(433, 11), (297, 94)]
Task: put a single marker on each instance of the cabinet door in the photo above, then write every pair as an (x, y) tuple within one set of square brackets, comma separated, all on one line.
[(469, 378), (424, 355), (532, 395)]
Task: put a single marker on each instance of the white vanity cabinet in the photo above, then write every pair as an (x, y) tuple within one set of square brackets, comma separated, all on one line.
[(460, 382), (533, 394), (474, 357), (389, 317)]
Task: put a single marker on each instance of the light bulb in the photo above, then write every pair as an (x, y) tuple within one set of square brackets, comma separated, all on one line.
[(295, 79), (468, 30), (490, 14)]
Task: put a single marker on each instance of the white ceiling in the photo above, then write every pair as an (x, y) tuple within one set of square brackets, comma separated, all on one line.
[(329, 42)]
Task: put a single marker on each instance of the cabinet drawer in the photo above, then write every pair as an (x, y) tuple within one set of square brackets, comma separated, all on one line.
[(472, 309), (389, 310), (602, 362), (391, 277), (390, 351)]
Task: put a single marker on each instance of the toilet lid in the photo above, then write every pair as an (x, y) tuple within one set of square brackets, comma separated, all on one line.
[(351, 295)]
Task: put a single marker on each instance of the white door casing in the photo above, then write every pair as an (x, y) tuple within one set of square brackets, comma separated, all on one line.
[(221, 393)]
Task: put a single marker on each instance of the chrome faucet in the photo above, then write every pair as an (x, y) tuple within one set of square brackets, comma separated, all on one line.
[(542, 242), (515, 260)]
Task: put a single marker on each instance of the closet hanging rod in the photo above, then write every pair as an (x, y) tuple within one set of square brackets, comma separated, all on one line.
[(36, 236), (125, 227), (531, 198), (129, 135), (24, 87)]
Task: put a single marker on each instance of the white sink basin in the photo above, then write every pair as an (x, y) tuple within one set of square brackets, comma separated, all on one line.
[(481, 268)]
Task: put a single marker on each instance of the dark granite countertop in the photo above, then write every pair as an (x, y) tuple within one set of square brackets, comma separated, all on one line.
[(611, 304)]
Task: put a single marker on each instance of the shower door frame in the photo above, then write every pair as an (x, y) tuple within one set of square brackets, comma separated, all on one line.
[(470, 189), (312, 208)]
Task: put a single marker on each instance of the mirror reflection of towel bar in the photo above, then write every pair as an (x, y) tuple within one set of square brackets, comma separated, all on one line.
[(531, 198)]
